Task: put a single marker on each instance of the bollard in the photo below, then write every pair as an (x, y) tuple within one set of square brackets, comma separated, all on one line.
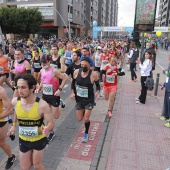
[(156, 85)]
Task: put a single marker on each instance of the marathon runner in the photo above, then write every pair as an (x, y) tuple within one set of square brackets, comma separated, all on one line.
[(30, 112), (5, 111), (111, 71), (51, 88), (83, 80)]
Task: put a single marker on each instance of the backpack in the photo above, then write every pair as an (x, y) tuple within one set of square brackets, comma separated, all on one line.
[(149, 83)]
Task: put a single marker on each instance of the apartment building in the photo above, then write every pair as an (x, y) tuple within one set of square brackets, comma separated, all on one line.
[(164, 13), (79, 14)]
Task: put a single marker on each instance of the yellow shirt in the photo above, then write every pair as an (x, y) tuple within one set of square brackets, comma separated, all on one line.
[(29, 122)]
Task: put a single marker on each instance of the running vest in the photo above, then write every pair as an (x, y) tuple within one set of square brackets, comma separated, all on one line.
[(37, 63), (68, 57), (109, 79), (1, 111), (20, 68), (55, 63), (97, 60), (29, 122), (105, 60), (84, 88), (50, 85), (3, 65)]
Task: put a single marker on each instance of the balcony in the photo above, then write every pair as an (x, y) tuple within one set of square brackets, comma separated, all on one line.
[(70, 2)]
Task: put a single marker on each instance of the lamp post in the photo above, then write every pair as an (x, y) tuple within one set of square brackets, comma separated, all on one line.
[(65, 22), (3, 44)]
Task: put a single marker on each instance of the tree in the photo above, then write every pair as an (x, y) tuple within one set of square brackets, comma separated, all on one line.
[(20, 20)]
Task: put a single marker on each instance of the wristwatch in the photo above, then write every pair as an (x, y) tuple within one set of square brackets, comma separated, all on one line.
[(60, 89)]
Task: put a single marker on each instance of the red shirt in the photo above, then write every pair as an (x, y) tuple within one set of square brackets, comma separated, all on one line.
[(110, 80)]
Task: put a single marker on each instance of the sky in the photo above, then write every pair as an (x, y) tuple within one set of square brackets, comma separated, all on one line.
[(126, 12)]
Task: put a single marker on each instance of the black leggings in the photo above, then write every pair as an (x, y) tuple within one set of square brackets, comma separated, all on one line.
[(143, 94), (132, 67)]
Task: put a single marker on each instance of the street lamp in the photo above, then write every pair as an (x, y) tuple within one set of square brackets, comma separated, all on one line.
[(69, 33)]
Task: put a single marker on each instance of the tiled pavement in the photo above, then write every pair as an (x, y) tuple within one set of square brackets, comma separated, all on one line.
[(134, 138)]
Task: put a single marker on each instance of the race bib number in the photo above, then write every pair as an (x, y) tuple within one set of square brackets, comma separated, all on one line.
[(1, 69), (110, 79), (97, 62), (54, 66), (28, 131), (82, 91), (104, 62), (48, 89), (29, 57), (167, 79), (37, 65)]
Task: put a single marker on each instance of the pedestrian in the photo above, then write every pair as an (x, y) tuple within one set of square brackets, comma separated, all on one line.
[(5, 111), (110, 72), (83, 92), (145, 70), (166, 105), (30, 113), (134, 54)]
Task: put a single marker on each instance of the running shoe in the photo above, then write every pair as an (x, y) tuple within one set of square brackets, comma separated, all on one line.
[(51, 136), (131, 81), (167, 125), (110, 113), (62, 104), (163, 118), (85, 138), (137, 99), (10, 162), (101, 93), (135, 79)]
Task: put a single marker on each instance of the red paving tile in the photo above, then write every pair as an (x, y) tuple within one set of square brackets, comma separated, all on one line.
[(139, 141)]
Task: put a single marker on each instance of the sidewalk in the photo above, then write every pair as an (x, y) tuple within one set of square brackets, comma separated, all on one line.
[(133, 139), (136, 138)]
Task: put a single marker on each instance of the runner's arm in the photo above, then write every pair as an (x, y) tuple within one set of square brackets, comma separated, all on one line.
[(63, 68), (6, 104), (28, 68), (45, 110)]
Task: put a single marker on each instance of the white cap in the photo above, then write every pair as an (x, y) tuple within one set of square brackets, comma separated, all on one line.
[(99, 48)]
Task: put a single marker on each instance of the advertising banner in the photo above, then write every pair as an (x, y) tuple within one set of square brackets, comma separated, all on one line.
[(145, 15)]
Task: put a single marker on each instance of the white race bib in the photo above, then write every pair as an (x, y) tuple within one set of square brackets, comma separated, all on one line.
[(104, 62), (54, 66), (110, 79), (167, 79), (1, 69), (36, 65), (82, 91), (29, 57), (28, 131), (48, 89)]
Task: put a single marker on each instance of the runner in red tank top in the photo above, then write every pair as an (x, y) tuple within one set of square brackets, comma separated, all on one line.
[(111, 71)]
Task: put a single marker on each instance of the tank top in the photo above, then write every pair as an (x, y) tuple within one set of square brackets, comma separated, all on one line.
[(61, 52), (104, 60), (55, 63), (37, 63), (20, 68), (29, 122), (84, 88), (3, 65), (50, 85), (97, 60), (109, 79)]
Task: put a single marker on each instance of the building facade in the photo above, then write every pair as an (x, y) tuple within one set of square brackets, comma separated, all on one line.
[(164, 13), (78, 15)]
